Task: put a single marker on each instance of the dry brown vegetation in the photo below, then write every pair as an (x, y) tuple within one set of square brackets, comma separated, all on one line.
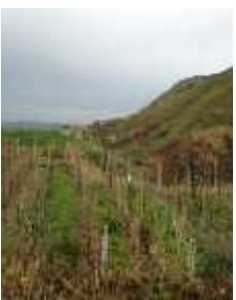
[(79, 222)]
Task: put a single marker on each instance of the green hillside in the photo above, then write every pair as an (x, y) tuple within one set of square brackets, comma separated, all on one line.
[(190, 107)]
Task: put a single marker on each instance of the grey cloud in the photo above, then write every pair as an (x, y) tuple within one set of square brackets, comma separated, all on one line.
[(79, 65)]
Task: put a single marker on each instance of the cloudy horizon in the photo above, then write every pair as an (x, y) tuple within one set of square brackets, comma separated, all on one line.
[(80, 65)]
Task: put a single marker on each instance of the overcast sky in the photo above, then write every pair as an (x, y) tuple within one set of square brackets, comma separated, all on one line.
[(76, 65)]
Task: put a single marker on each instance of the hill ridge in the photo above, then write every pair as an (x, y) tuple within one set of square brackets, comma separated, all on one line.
[(189, 107)]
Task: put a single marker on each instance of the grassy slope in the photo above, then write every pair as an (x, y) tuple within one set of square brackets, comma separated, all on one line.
[(189, 107)]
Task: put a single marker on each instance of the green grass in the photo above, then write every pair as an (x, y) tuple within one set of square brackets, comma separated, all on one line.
[(213, 231), (62, 217), (107, 214), (31, 136)]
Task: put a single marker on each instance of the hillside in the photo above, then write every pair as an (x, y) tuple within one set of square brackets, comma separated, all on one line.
[(188, 109), (83, 222)]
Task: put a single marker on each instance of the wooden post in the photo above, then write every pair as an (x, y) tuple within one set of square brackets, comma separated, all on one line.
[(18, 147), (159, 167), (35, 150), (49, 155), (104, 248), (141, 196), (215, 161), (191, 256)]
